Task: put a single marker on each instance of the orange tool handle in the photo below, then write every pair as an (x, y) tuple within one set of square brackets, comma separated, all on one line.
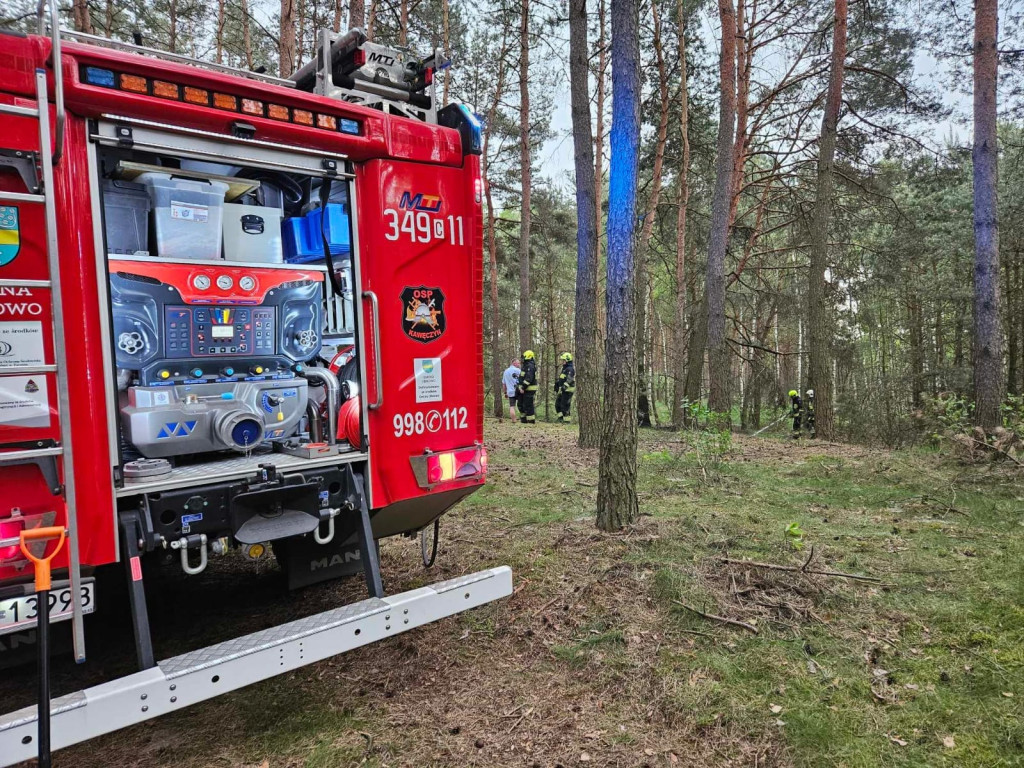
[(42, 564)]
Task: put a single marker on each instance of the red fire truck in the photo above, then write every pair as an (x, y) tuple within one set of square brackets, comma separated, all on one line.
[(238, 314)]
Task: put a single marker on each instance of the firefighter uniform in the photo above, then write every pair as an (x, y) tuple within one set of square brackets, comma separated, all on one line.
[(795, 409), (809, 413), (565, 387), (528, 388)]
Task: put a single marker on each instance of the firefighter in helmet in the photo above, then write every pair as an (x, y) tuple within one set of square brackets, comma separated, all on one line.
[(795, 410), (528, 388), (809, 413), (565, 386)]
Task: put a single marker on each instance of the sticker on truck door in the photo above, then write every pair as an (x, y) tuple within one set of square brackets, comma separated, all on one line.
[(423, 317), (24, 401), (427, 371), (10, 234), (21, 344)]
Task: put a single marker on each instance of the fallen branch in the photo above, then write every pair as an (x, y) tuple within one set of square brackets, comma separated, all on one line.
[(997, 450), (723, 619), (804, 569)]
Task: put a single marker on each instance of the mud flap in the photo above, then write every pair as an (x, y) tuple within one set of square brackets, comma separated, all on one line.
[(305, 562)]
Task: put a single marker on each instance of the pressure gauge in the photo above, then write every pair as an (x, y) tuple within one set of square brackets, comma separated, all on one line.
[(201, 282), (224, 282), (247, 283)]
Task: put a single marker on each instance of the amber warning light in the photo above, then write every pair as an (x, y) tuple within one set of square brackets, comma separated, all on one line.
[(435, 469)]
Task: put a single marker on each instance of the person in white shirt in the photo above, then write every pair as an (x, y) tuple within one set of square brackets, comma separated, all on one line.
[(510, 380)]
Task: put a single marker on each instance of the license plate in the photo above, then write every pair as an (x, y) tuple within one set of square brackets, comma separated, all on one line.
[(23, 611)]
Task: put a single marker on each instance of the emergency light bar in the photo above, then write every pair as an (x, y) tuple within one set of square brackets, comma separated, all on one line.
[(434, 469), (125, 81)]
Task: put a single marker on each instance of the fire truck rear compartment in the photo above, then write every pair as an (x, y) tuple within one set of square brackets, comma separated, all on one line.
[(230, 372)]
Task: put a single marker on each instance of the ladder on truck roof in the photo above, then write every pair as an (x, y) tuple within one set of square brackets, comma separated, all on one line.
[(41, 192)]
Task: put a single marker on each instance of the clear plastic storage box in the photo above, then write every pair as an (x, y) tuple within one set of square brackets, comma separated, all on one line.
[(126, 216), (187, 215)]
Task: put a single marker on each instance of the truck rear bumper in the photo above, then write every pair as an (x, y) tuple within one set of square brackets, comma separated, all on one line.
[(202, 674)]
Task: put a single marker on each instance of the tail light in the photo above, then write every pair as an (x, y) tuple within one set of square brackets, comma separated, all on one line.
[(461, 464), (10, 531), (10, 549)]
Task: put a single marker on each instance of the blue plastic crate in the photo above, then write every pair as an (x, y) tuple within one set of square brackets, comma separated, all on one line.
[(301, 234)]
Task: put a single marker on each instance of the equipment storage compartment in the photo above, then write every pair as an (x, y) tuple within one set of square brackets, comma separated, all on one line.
[(126, 209), (252, 233), (303, 242), (187, 215)]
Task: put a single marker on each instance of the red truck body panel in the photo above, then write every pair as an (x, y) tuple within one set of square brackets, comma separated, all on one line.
[(402, 167)]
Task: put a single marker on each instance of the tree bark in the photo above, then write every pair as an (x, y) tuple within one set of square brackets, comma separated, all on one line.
[(220, 31), (643, 400), (286, 39), (356, 14), (617, 503), (247, 34), (988, 343), (742, 140), (447, 42), (683, 200), (339, 8), (819, 362), (492, 247), (81, 17), (172, 26), (588, 390), (525, 328), (1014, 307), (602, 65), (719, 358)]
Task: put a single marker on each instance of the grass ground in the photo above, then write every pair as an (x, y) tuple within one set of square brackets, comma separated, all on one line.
[(594, 660)]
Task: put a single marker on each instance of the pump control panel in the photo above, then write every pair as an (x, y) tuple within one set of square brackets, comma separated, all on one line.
[(217, 331), (170, 326)]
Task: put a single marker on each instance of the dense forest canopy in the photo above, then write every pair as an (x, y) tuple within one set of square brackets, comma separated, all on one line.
[(894, 296)]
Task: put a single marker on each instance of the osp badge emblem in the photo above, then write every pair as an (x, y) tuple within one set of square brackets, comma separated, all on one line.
[(423, 316), (10, 234)]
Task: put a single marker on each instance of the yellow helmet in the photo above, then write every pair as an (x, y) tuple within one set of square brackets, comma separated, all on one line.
[(793, 393), (565, 357), (528, 355)]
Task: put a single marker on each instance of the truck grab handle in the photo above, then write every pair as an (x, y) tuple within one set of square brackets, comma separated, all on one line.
[(375, 314)]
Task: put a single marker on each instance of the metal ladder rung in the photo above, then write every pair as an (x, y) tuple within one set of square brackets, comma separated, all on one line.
[(32, 453), (14, 109), (13, 283), (21, 197), (27, 370)]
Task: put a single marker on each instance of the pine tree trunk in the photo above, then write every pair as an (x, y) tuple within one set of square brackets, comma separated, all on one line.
[(81, 17), (286, 40), (356, 14), (525, 328), (683, 182), (247, 34), (492, 246), (617, 503), (818, 316), (719, 358), (339, 8), (988, 351), (588, 387), (742, 140), (642, 329), (447, 43), (172, 26), (602, 65), (403, 23), (220, 31)]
